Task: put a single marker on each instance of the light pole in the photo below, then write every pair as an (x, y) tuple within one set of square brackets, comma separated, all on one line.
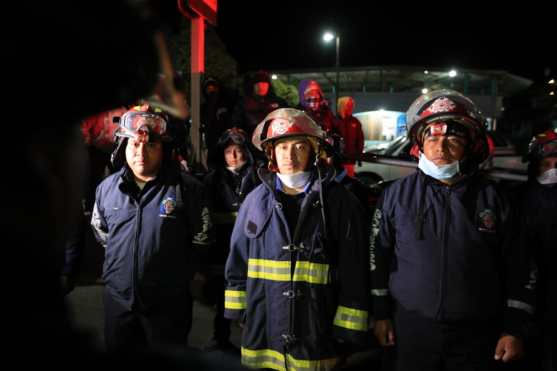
[(328, 37)]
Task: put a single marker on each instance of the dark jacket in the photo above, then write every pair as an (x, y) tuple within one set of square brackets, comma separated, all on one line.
[(536, 231), (298, 293), (226, 191), (149, 235), (444, 252)]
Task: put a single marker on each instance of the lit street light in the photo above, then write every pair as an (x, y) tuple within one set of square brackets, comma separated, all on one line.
[(328, 37)]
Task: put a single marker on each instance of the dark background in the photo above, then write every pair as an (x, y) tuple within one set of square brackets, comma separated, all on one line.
[(268, 34)]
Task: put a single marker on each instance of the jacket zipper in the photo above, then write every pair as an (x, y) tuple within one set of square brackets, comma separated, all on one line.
[(444, 258)]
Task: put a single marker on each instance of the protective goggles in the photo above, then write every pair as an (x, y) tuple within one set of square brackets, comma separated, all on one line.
[(142, 126), (447, 128)]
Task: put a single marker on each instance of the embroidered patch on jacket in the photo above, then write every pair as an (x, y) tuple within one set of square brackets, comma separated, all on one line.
[(252, 227), (487, 221), (168, 205)]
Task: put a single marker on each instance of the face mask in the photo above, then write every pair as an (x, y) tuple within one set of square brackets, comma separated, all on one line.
[(548, 177), (296, 181), (438, 172)]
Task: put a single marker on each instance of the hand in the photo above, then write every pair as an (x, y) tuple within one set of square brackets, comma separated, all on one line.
[(384, 332), (508, 348)]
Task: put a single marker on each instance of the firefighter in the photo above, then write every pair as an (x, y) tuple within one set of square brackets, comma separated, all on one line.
[(149, 216), (537, 228), (441, 258), (296, 275)]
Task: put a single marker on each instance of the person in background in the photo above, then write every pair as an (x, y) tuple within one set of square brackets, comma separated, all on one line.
[(232, 179), (350, 129), (312, 102), (537, 232), (259, 100)]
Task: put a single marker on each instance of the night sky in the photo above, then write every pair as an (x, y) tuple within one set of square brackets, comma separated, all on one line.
[(287, 35)]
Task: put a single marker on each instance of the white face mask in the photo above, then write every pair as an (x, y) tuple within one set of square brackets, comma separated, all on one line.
[(296, 181), (438, 172), (548, 177)]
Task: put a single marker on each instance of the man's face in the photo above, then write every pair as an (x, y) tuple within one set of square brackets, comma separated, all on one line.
[(234, 156), (546, 164), (144, 159), (443, 149), (292, 155), (261, 88)]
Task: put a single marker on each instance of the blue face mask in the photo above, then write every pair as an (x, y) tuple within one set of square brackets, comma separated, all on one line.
[(442, 172)]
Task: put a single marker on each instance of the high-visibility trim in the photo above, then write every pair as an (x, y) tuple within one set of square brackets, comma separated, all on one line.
[(520, 305), (352, 319), (268, 358), (234, 299), (380, 292), (279, 270)]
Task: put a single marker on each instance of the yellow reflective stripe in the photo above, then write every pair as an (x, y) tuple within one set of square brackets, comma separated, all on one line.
[(350, 318), (279, 270), (268, 358), (311, 272), (234, 299)]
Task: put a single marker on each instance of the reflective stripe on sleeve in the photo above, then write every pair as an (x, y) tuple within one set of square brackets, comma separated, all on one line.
[(234, 299), (352, 319)]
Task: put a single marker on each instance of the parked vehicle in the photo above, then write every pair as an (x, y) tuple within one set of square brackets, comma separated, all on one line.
[(395, 161)]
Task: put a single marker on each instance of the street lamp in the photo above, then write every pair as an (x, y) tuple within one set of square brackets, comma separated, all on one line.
[(328, 37)]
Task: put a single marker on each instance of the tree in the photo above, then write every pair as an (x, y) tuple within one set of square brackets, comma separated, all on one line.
[(286, 92)]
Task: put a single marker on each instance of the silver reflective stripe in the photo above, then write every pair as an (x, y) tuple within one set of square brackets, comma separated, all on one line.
[(520, 305), (382, 292)]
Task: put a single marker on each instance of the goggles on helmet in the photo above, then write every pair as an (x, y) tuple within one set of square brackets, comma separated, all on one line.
[(447, 128), (142, 126)]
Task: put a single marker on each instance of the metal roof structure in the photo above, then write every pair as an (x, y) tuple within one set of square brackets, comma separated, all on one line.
[(409, 79)]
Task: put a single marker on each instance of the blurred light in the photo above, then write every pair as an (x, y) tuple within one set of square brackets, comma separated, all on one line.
[(424, 91), (551, 93), (452, 73), (328, 36), (552, 81), (381, 109), (426, 72), (274, 77)]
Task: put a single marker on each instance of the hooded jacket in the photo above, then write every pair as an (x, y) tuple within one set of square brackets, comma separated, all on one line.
[(298, 293), (251, 108), (323, 116), (445, 252), (227, 190), (350, 129)]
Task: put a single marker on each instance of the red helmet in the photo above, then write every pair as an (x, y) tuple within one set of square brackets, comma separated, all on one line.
[(449, 106), (543, 145), (285, 122)]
